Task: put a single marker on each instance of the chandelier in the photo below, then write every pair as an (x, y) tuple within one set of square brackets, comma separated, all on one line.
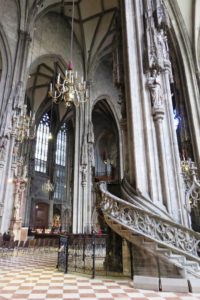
[(24, 125), (69, 89), (48, 186)]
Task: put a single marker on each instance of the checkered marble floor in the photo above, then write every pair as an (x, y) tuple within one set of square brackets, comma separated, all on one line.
[(34, 276)]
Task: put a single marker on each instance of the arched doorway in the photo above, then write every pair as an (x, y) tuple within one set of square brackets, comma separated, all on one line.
[(107, 168), (106, 146)]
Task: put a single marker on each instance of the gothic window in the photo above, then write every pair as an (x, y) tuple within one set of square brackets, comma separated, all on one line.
[(60, 160), (42, 140), (61, 146)]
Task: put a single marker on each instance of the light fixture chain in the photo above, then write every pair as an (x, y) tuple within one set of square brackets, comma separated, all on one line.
[(72, 32)]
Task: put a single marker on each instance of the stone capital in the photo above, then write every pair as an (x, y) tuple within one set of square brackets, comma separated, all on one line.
[(158, 113)]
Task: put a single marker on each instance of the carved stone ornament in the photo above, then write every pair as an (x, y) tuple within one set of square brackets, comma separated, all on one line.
[(193, 192), (3, 147), (156, 44), (137, 220), (84, 173), (155, 89)]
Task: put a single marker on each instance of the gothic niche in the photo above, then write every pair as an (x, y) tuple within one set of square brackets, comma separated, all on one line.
[(106, 143)]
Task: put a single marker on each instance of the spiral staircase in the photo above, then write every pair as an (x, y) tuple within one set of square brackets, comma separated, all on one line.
[(159, 236)]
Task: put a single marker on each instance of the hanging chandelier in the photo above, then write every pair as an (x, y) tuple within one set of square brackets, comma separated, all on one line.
[(25, 125), (48, 186), (69, 89)]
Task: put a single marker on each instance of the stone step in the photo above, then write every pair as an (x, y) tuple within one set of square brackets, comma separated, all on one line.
[(179, 258), (192, 264), (190, 268)]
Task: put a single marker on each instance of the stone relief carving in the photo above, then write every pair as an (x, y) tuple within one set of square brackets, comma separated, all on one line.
[(90, 132), (156, 24), (165, 232), (20, 186), (15, 152), (91, 144), (3, 147), (155, 88), (162, 45), (161, 16), (84, 173)]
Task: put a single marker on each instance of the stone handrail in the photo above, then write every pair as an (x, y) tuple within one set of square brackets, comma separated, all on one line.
[(165, 232)]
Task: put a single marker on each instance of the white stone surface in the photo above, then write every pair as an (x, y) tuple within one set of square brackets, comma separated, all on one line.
[(195, 285), (146, 283), (179, 285)]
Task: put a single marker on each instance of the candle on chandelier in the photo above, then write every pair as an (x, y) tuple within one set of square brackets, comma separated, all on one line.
[(58, 79)]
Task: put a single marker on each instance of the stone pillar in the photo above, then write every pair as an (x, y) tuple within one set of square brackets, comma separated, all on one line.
[(4, 144), (16, 223), (77, 197), (2, 163), (7, 190), (50, 221), (81, 184), (84, 198), (123, 125), (175, 163), (20, 67), (126, 258), (137, 171), (158, 115)]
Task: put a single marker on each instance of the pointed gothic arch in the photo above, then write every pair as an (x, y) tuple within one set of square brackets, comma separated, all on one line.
[(107, 142), (6, 71), (180, 39)]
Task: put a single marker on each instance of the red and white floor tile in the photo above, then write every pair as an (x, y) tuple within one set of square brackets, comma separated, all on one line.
[(34, 277)]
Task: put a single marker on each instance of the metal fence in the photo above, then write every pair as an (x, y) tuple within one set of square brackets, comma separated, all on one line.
[(85, 253)]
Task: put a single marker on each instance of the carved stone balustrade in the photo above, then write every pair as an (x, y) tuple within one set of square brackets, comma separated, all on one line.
[(168, 233)]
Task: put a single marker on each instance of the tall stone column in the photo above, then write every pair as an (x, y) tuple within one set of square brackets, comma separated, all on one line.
[(50, 220), (137, 171), (4, 144), (84, 198), (158, 116), (158, 112), (19, 195), (7, 196), (2, 163), (126, 258), (175, 163)]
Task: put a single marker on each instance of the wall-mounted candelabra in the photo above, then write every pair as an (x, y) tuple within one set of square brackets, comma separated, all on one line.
[(24, 125)]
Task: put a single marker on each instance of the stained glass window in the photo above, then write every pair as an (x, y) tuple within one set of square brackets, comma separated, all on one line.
[(60, 159), (42, 141)]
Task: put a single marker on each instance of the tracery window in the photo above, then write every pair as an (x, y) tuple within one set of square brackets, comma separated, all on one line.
[(60, 166), (42, 141)]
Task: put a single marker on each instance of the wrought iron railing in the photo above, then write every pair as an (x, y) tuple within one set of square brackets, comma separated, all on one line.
[(138, 220), (83, 253)]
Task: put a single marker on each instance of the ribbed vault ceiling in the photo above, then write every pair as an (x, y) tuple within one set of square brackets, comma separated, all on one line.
[(94, 29)]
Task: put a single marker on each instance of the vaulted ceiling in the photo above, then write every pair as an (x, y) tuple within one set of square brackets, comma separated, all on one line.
[(94, 26), (94, 23)]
